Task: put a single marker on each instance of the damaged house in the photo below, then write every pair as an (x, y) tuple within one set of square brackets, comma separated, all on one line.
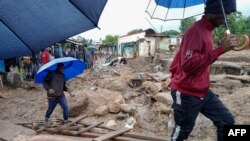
[(145, 43)]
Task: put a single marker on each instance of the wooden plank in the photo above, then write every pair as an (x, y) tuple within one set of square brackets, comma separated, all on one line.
[(126, 139), (112, 134), (89, 135), (73, 128), (153, 77), (245, 78), (137, 136), (88, 128), (94, 135), (23, 123), (41, 130), (145, 137), (71, 133), (73, 122), (102, 127), (129, 134)]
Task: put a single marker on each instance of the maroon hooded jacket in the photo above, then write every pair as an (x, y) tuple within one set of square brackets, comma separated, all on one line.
[(190, 67)]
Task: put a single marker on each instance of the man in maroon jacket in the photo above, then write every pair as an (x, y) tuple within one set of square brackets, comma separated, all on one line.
[(190, 73)]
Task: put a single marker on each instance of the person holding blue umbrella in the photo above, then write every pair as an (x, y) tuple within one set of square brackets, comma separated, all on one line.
[(190, 73), (54, 83), (53, 76)]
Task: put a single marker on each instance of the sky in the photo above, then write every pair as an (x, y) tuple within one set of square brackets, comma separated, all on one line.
[(121, 16)]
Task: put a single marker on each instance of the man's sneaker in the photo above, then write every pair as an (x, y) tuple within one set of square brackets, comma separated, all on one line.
[(65, 121), (46, 124)]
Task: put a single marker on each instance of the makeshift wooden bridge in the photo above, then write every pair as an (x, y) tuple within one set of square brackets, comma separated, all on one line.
[(92, 132)]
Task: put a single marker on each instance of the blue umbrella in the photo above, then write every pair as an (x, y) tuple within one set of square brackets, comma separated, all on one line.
[(174, 9), (28, 26), (177, 9), (72, 68)]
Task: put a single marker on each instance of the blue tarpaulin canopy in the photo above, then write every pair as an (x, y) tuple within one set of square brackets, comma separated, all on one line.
[(28, 26)]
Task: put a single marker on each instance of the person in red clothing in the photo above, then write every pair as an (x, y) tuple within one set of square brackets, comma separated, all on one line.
[(190, 73), (45, 58)]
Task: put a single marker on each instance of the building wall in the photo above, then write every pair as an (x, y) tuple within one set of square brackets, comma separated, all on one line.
[(175, 41), (153, 45), (129, 38), (163, 44), (147, 46), (129, 52), (144, 48)]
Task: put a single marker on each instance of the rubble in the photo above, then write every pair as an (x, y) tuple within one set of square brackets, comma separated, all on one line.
[(77, 104), (164, 98), (137, 100), (102, 111), (111, 123), (151, 87), (127, 108), (114, 107)]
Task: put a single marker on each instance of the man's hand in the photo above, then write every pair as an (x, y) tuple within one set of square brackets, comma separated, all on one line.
[(72, 97), (229, 42), (166, 84), (51, 91)]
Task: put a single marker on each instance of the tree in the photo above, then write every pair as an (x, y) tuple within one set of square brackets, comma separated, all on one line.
[(238, 25), (247, 25), (84, 41), (171, 33), (110, 40), (186, 23), (218, 34), (134, 31)]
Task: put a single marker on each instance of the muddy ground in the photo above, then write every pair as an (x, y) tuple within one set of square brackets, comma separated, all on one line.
[(104, 84)]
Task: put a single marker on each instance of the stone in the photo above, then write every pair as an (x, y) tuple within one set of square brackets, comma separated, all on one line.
[(130, 123), (120, 99), (93, 88), (126, 108), (102, 111), (111, 123), (77, 104), (151, 87), (122, 116), (9, 130), (164, 98), (114, 107)]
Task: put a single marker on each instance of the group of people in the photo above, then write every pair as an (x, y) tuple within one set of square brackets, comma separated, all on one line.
[(80, 52), (31, 64)]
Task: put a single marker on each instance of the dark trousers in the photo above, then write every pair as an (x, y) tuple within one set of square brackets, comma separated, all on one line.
[(186, 109), (52, 102)]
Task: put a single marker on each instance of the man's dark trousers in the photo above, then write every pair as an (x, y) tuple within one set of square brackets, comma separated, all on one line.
[(186, 109)]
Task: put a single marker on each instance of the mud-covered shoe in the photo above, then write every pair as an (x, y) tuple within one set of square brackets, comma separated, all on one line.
[(46, 123), (65, 121)]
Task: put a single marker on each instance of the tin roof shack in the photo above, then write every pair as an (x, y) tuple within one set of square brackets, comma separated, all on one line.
[(145, 43), (108, 49)]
